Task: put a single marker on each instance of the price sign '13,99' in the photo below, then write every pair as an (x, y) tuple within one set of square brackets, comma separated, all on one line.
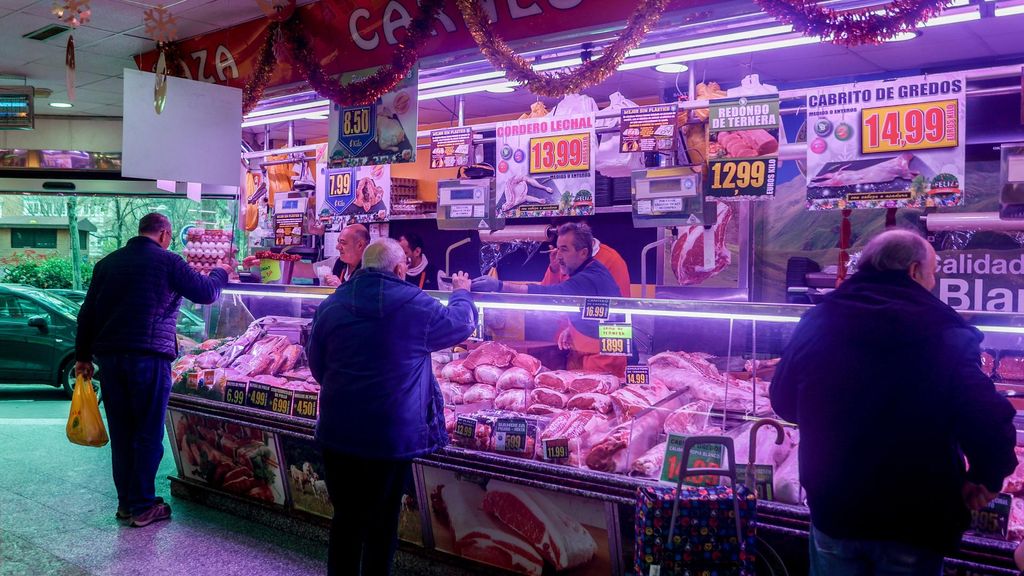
[(563, 153)]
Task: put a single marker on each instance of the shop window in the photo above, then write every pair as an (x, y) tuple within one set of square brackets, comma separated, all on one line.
[(33, 238)]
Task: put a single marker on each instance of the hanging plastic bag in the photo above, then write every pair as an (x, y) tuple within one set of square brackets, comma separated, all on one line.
[(575, 104), (85, 427), (751, 86), (610, 161)]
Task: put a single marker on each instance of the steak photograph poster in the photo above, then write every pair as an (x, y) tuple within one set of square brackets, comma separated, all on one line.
[(546, 167), (887, 144), (380, 133)]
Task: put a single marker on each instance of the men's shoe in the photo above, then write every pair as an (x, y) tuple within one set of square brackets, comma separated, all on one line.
[(124, 514), (155, 513)]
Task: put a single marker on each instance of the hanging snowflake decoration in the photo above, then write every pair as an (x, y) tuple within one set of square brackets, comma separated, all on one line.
[(72, 12), (160, 24)]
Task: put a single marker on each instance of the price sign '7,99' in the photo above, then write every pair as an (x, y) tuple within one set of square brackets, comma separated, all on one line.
[(918, 126), (562, 153)]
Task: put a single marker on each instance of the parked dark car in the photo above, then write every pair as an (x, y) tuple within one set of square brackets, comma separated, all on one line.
[(37, 337), (190, 324)]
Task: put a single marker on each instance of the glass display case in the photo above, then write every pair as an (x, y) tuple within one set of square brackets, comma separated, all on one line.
[(533, 435)]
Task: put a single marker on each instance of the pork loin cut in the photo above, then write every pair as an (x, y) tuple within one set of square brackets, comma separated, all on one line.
[(493, 353), (591, 401), (487, 374), (478, 537), (562, 541), (612, 452), (549, 397), (479, 393), (632, 400), (452, 393), (580, 428), (602, 383), (559, 380), (515, 378), (512, 400), (649, 464), (689, 419), (543, 410), (527, 362), (457, 372)]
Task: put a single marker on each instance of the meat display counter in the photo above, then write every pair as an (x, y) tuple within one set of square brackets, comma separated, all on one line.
[(535, 441)]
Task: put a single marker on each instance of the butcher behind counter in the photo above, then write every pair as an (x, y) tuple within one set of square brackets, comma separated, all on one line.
[(586, 277)]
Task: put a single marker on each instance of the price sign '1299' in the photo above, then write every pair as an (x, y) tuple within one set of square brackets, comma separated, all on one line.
[(919, 126), (566, 153)]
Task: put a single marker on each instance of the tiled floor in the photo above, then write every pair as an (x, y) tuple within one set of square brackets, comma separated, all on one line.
[(57, 504)]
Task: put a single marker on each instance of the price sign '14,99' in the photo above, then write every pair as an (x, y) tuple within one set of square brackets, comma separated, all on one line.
[(563, 153), (919, 126)]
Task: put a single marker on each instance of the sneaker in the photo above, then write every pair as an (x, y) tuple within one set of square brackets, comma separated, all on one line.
[(124, 514), (155, 513)]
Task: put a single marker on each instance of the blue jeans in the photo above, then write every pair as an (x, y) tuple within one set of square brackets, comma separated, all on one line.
[(135, 392), (834, 557)]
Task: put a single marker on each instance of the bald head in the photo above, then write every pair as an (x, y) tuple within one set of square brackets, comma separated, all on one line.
[(351, 243), (901, 251), (157, 227)]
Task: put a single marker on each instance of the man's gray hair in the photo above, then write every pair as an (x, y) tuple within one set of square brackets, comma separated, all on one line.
[(894, 250), (383, 255), (582, 237)]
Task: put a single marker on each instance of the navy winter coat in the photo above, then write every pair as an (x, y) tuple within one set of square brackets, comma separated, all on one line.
[(370, 350), (885, 382), (133, 299)]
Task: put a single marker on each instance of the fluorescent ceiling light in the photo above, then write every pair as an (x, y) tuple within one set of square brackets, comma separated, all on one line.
[(307, 115), (957, 18), (461, 80), (720, 52), (290, 295), (1010, 10), (501, 89), (61, 104), (289, 108), (671, 68), (556, 64), (711, 40), (464, 90), (903, 37)]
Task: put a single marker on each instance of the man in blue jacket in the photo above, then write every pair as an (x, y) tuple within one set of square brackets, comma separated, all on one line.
[(885, 382), (380, 405), (128, 325)]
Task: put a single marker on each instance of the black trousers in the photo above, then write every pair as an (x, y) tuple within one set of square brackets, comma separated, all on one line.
[(367, 497)]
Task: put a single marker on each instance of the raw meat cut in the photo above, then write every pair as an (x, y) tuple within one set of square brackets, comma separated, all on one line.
[(896, 167), (479, 393), (515, 378), (1014, 484), (682, 370), (988, 364), (513, 400), (1015, 532), (689, 419), (768, 452), (208, 360), (763, 369), (457, 372), (591, 401), (292, 356), (688, 260), (493, 353), (632, 400), (478, 537), (1011, 367), (603, 383), (452, 393), (527, 362), (581, 428), (549, 397), (761, 140), (649, 464), (487, 374), (557, 379), (611, 453), (270, 380), (559, 538), (543, 410), (787, 481), (736, 145)]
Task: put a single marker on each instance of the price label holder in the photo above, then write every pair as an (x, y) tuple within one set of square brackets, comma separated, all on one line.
[(638, 375), (994, 519), (305, 405), (648, 128), (616, 339), (763, 481), (465, 428), (451, 147), (192, 381), (281, 401), (357, 128), (234, 393), (596, 309), (742, 178), (743, 144), (510, 435), (918, 126), (258, 396), (701, 456), (560, 153), (556, 449)]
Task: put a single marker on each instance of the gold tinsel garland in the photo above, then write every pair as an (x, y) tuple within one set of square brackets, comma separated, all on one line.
[(854, 27), (556, 85)]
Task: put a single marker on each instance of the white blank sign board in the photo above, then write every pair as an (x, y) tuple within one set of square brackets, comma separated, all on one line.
[(195, 139)]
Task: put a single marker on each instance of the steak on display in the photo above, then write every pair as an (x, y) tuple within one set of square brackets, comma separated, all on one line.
[(688, 252)]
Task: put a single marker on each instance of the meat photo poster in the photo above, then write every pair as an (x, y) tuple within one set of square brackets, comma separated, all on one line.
[(743, 147), (887, 144), (380, 133), (228, 456), (517, 528), (546, 166), (689, 261)]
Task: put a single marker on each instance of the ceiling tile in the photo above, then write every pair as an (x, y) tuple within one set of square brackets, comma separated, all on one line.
[(114, 16), (121, 45), (42, 72), (113, 85), (18, 4)]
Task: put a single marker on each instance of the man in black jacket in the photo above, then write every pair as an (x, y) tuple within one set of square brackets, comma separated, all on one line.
[(885, 382), (127, 323)]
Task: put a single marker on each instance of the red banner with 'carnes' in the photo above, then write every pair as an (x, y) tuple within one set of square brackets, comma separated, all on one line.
[(355, 34)]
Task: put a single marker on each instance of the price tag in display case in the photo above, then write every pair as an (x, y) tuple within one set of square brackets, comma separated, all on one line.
[(281, 401), (510, 435), (556, 449), (305, 405), (638, 375), (596, 309), (561, 153), (234, 393), (701, 456), (994, 519), (465, 427), (258, 396), (918, 126), (763, 481), (616, 339)]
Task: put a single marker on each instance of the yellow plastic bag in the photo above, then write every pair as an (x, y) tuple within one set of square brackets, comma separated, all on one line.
[(85, 426)]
